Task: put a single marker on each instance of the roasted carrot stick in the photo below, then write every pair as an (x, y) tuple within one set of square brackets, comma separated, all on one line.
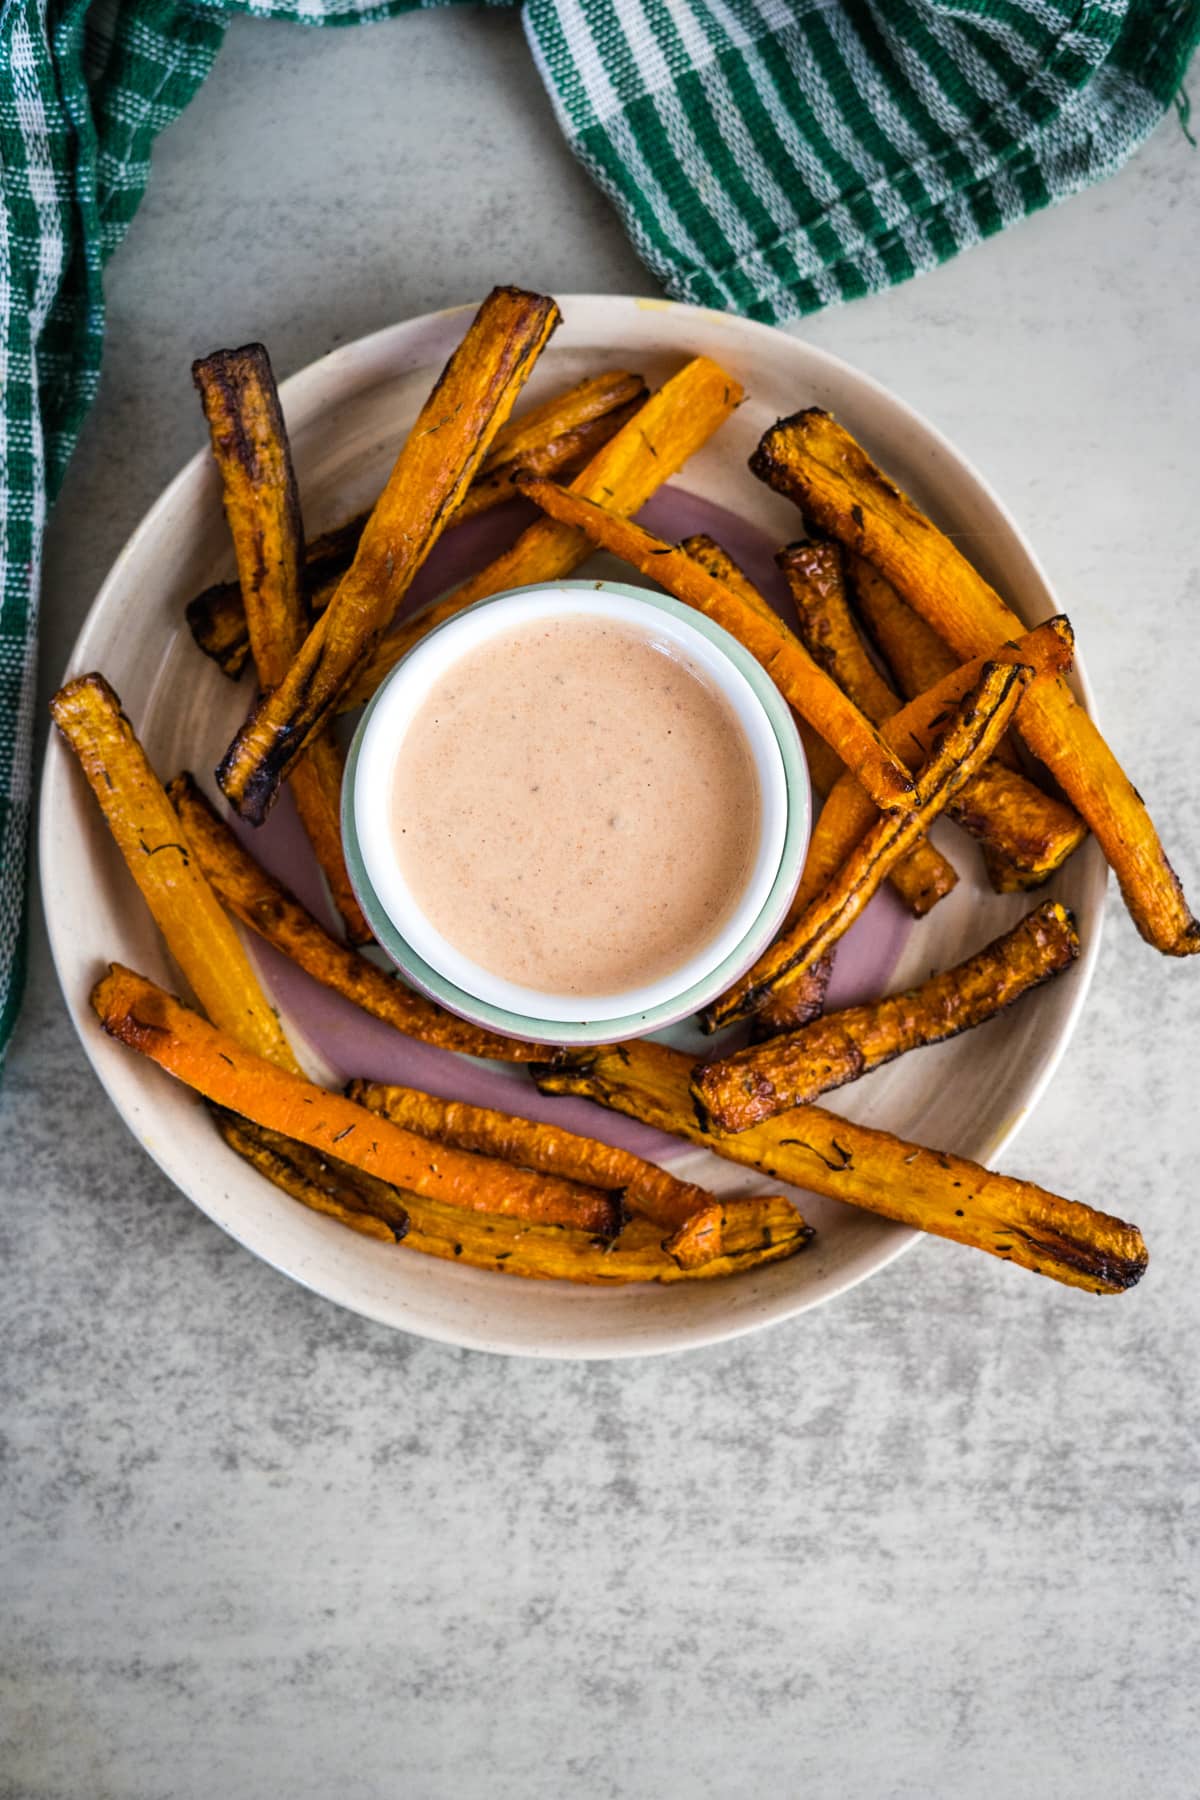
[(651, 447), (848, 814), (649, 1190), (921, 878), (155, 844), (318, 1182), (266, 907), (926, 1189), (262, 506), (785, 659), (817, 463), (795, 1001), (556, 438), (139, 1014), (502, 1245), (453, 432), (1027, 833), (794, 1070), (916, 656), (980, 721), (698, 1221)]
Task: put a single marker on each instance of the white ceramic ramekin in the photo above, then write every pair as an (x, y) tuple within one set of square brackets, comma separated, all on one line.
[(431, 962)]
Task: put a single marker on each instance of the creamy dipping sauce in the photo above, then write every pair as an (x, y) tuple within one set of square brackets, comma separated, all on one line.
[(576, 809)]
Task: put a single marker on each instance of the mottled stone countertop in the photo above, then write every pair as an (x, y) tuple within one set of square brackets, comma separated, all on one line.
[(937, 1539)]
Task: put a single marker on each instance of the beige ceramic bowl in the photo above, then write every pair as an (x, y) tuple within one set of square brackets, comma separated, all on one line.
[(347, 415)]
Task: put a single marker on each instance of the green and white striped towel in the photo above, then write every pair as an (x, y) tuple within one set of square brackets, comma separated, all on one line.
[(767, 156)]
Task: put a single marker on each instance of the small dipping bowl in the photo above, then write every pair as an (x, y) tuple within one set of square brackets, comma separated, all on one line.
[(432, 963)]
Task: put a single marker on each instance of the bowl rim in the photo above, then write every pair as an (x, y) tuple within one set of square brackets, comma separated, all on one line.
[(136, 1092), (759, 914)]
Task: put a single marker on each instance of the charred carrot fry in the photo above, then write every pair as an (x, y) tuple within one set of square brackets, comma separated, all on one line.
[(452, 435), (648, 1189), (556, 438), (796, 1001), (505, 1246), (848, 813), (928, 1190), (162, 860), (817, 463), (756, 1084), (140, 1015), (921, 878), (262, 506), (1026, 833), (980, 721), (316, 1181), (916, 656), (698, 1221)]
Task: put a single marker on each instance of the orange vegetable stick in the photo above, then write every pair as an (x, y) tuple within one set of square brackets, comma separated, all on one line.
[(929, 1190), (1026, 833), (848, 814), (321, 1186), (794, 1070), (968, 741), (699, 1221), (917, 657), (262, 506), (453, 432), (502, 1246), (817, 463), (139, 1014), (151, 837), (921, 878), (556, 438)]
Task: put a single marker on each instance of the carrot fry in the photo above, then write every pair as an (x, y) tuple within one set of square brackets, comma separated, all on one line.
[(266, 907), (648, 1189), (316, 783), (140, 1015), (848, 814), (816, 1150), (921, 878), (798, 678), (758, 1083), (556, 438), (503, 1246), (262, 506), (652, 446), (797, 1001), (1027, 833), (316, 1181), (156, 846), (967, 741), (452, 435), (697, 1218), (216, 618), (917, 657), (817, 463)]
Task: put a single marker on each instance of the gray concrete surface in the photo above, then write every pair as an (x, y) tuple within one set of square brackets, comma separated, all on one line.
[(939, 1539)]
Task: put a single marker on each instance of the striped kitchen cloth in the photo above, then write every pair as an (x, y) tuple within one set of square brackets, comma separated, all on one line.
[(767, 156)]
